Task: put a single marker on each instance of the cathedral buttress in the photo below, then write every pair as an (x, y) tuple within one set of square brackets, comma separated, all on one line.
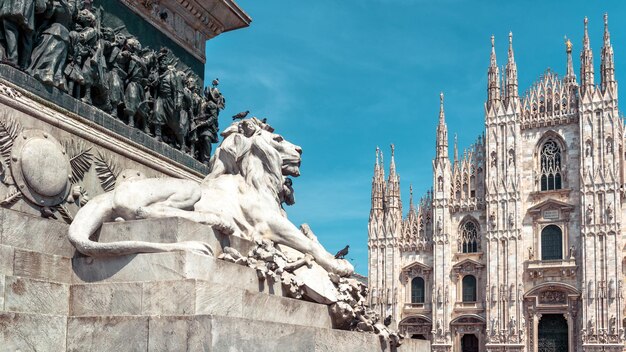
[(442, 253), (601, 148), (392, 230), (504, 248)]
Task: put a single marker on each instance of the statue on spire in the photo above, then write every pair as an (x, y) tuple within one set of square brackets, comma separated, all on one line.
[(568, 45)]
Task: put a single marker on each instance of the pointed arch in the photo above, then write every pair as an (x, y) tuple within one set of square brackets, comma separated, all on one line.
[(469, 235), (550, 152)]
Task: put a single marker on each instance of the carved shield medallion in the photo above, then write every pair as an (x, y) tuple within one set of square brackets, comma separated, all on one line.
[(40, 168)]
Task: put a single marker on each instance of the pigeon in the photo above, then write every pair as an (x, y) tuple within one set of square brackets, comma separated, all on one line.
[(241, 115), (387, 320), (342, 253), (163, 15)]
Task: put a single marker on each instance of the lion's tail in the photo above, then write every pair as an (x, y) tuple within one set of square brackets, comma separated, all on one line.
[(88, 220)]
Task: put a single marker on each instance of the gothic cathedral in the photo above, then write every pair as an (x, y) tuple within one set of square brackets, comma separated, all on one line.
[(518, 246)]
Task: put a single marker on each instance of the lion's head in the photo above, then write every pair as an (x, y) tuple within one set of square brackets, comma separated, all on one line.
[(252, 150)]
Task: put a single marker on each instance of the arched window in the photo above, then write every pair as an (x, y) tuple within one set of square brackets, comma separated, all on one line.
[(469, 288), (550, 165), (469, 237), (551, 243), (417, 290)]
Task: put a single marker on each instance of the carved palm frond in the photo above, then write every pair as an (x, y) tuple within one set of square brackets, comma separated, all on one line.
[(80, 159), (107, 171), (65, 213), (12, 196), (9, 130)]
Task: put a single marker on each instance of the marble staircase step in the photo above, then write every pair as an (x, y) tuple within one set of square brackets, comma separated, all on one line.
[(165, 266), (209, 333), (192, 297)]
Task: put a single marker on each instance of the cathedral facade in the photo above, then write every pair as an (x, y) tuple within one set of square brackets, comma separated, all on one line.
[(518, 246)]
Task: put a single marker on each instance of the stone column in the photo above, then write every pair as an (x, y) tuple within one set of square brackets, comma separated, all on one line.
[(535, 337), (570, 332)]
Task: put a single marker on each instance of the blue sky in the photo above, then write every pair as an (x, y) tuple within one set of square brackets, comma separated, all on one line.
[(341, 77)]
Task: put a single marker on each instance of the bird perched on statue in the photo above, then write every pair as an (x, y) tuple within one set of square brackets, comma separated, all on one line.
[(387, 320), (342, 253), (241, 115)]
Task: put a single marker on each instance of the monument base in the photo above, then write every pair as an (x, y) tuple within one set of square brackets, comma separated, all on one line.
[(53, 299)]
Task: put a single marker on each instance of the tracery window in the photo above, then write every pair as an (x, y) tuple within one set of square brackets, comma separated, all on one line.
[(417, 290), (469, 237), (550, 166), (469, 288), (551, 243)]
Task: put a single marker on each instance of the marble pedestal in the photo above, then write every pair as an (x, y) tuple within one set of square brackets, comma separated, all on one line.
[(52, 299)]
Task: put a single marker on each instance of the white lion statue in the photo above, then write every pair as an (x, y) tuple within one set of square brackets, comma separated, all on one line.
[(241, 197)]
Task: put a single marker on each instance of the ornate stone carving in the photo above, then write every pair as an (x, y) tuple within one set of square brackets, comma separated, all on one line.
[(109, 69), (40, 168), (250, 159), (107, 171), (552, 297), (80, 157)]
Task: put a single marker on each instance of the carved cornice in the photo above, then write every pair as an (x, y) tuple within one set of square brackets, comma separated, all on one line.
[(551, 210), (190, 23), (467, 266)]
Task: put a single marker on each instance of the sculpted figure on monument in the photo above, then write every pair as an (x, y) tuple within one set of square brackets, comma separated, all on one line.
[(205, 127), (117, 56), (84, 39), (108, 68), (169, 101), (18, 27), (239, 197), (50, 54), (137, 74)]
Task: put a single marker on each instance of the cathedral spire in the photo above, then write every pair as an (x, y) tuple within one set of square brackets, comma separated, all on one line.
[(393, 185), (493, 87), (442, 132), (456, 149), (411, 205), (392, 164), (511, 72), (570, 76), (378, 184), (586, 62), (607, 66)]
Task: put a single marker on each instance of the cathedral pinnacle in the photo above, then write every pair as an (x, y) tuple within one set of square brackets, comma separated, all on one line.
[(511, 72), (586, 34), (442, 131), (493, 85), (586, 62), (442, 116), (392, 163), (570, 76), (607, 66)]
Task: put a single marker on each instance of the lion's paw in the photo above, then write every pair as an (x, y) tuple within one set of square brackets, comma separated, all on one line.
[(224, 227), (218, 224)]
